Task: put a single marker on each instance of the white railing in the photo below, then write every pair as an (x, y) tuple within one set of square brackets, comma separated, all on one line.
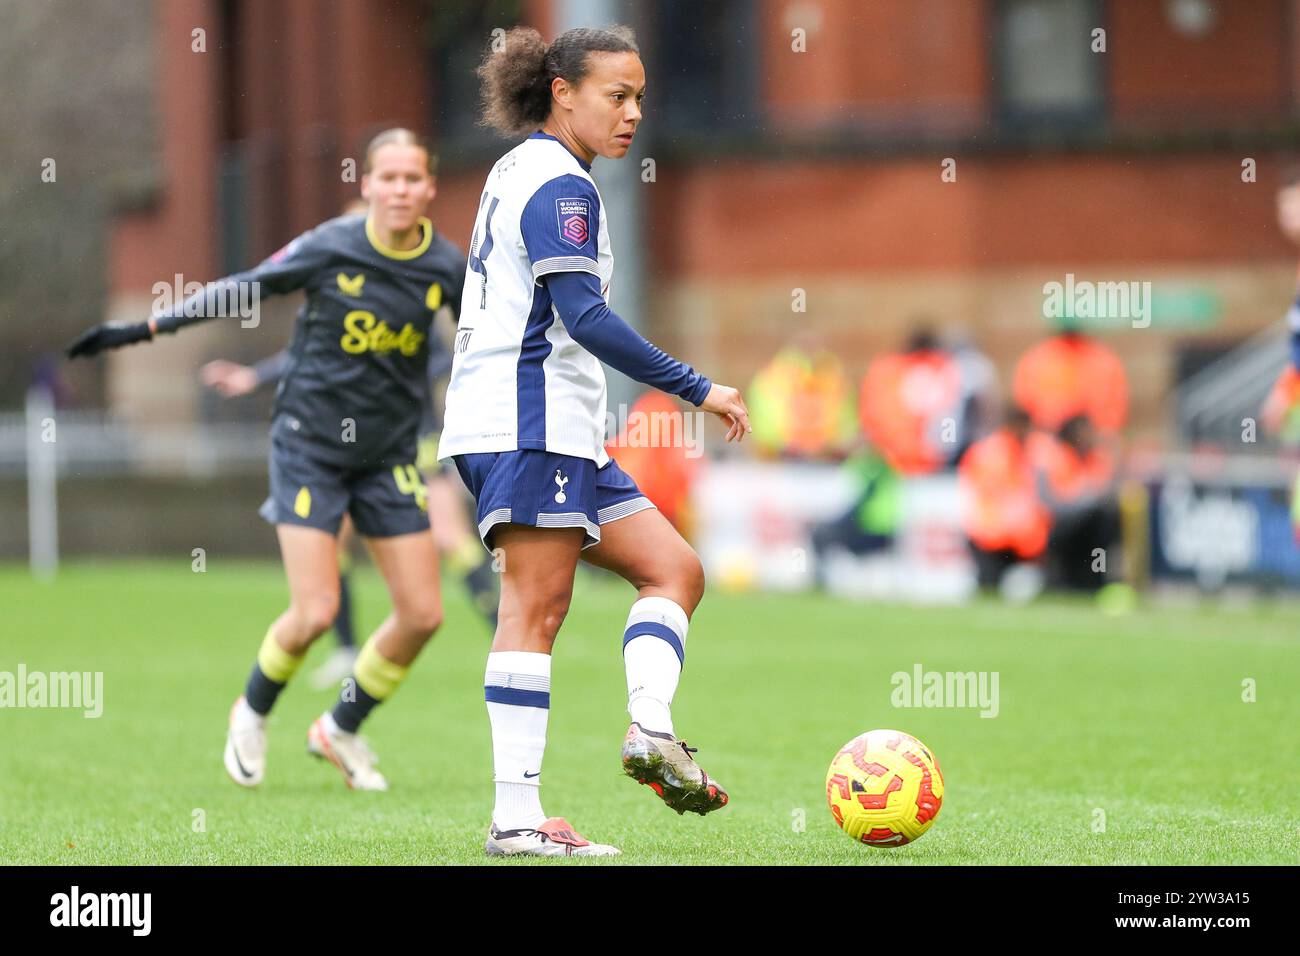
[(1211, 405), (41, 445), (95, 443)]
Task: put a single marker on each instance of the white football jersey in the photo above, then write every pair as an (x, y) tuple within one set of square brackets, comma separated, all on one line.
[(518, 380)]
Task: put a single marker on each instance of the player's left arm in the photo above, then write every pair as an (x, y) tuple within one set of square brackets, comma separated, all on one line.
[(560, 226), (606, 335)]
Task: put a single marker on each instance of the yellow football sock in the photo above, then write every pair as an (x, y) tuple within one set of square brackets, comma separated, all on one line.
[(376, 674), (275, 662)]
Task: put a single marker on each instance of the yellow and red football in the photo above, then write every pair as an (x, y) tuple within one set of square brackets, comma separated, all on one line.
[(884, 788)]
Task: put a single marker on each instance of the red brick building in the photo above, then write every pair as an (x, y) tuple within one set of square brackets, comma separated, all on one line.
[(799, 144)]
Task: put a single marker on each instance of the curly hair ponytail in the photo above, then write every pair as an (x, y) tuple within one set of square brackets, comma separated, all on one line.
[(517, 79)]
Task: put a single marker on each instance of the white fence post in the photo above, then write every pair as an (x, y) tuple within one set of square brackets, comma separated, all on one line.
[(42, 484)]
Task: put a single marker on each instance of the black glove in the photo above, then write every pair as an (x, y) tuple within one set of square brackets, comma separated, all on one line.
[(110, 335)]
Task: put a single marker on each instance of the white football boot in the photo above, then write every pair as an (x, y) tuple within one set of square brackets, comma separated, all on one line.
[(245, 757), (348, 752), (555, 837)]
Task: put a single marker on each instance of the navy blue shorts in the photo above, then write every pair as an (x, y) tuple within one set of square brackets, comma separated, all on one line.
[(546, 490), (383, 502)]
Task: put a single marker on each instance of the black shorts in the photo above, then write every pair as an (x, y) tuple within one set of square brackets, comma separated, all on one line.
[(383, 502)]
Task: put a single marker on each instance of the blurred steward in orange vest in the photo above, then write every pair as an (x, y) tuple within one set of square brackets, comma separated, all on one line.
[(911, 406), (1002, 515), (1076, 481), (1072, 374), (800, 404), (661, 453)]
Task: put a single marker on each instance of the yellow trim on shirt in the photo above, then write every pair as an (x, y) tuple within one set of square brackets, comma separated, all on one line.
[(419, 250)]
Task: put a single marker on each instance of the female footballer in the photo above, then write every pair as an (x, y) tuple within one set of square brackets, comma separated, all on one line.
[(233, 380), (457, 544), (525, 423), (343, 440)]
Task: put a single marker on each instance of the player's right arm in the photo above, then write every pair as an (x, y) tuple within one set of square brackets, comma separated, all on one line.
[(232, 379), (285, 271)]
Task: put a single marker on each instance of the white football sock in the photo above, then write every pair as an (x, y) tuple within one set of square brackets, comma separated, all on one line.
[(654, 645), (517, 687)]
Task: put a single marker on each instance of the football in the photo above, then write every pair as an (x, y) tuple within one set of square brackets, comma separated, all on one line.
[(884, 788)]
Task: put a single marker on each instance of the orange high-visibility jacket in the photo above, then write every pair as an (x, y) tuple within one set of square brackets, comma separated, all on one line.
[(904, 400), (1070, 375), (652, 448), (1000, 504), (1071, 476)]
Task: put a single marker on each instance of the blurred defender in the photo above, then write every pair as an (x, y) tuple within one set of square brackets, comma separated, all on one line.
[(451, 532), (233, 380), (343, 440)]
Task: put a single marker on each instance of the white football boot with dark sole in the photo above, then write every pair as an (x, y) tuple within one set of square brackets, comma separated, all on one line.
[(555, 837)]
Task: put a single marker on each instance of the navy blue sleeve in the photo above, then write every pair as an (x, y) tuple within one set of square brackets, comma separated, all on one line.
[(592, 325), (560, 224)]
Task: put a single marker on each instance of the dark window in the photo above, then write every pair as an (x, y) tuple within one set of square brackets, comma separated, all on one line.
[(1047, 73), (706, 73), (459, 34)]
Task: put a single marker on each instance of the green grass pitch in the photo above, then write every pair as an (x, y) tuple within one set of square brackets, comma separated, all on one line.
[(1135, 721)]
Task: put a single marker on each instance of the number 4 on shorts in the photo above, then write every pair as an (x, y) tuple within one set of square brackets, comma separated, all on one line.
[(409, 482)]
